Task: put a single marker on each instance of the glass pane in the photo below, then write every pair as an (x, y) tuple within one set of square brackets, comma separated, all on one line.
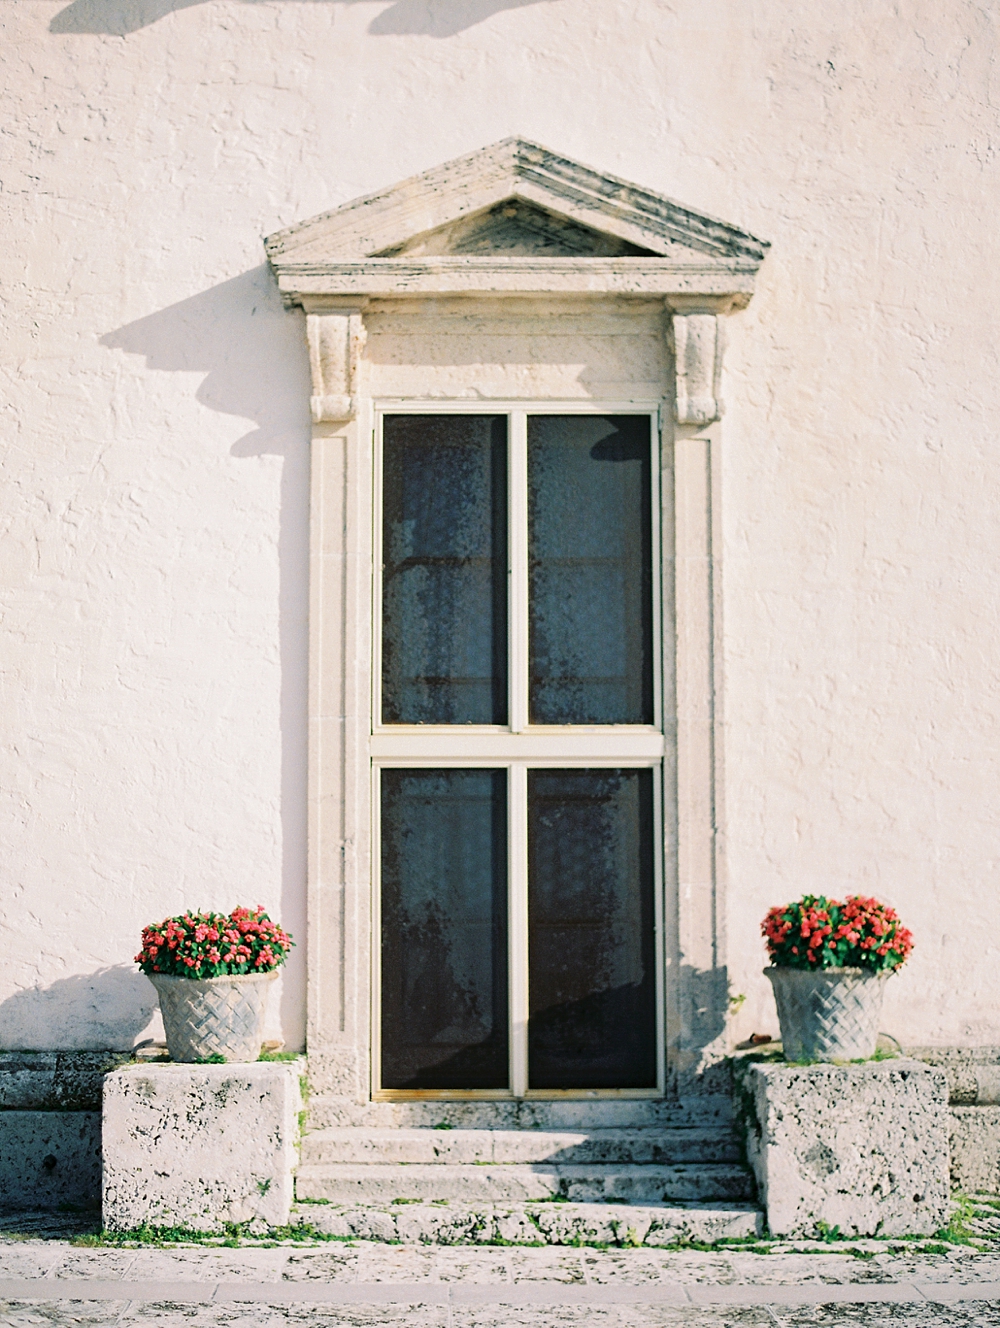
[(592, 989), (444, 929), (590, 570), (444, 569)]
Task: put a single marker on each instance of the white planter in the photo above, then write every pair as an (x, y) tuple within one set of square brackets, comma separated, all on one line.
[(829, 1014), (204, 1017)]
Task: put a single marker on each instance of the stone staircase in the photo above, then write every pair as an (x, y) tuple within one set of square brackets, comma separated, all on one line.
[(530, 1172)]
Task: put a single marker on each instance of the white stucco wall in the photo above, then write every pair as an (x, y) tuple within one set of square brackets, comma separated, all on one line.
[(155, 444)]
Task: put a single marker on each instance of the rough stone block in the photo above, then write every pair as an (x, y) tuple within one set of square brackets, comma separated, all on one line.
[(200, 1145), (975, 1149), (863, 1148), (50, 1159)]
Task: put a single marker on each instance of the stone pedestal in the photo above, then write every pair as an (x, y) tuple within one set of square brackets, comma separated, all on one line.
[(862, 1148), (200, 1145)]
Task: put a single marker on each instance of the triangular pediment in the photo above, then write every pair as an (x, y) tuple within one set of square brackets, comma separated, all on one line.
[(520, 230), (513, 208), (511, 172)]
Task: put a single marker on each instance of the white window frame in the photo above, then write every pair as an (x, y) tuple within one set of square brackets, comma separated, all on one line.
[(518, 746)]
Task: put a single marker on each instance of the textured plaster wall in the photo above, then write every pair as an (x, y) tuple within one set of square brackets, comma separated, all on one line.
[(155, 454)]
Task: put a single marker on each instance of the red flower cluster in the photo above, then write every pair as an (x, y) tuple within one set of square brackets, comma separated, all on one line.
[(212, 945), (817, 932)]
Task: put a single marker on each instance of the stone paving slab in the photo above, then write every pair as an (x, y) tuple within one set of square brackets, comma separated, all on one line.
[(59, 1261), (52, 1283), (521, 1293), (32, 1313)]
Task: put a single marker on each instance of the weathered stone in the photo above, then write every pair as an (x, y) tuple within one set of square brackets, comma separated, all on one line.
[(55, 1080), (709, 1112), (975, 1149), (49, 1159), (200, 1145), (973, 1072), (863, 1148), (538, 1181)]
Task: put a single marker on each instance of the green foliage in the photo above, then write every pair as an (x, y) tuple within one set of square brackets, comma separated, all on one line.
[(229, 1234), (959, 1228)]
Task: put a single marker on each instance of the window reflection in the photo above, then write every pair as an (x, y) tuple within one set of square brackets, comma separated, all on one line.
[(444, 582), (444, 929), (591, 985), (590, 570)]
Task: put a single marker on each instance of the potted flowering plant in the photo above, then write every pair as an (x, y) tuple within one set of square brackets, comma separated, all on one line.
[(829, 963), (211, 972)]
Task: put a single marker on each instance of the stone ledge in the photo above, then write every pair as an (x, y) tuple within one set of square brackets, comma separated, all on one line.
[(973, 1072), (55, 1080), (862, 1148), (200, 1145)]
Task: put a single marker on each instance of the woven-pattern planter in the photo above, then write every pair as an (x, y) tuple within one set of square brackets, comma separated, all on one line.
[(204, 1017), (829, 1014)]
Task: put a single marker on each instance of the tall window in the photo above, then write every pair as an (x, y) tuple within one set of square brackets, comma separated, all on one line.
[(517, 749)]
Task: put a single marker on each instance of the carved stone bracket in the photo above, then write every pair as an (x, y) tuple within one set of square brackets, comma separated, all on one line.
[(697, 342), (336, 341)]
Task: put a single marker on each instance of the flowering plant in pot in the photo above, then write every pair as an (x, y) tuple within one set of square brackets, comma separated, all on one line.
[(211, 972), (829, 963)]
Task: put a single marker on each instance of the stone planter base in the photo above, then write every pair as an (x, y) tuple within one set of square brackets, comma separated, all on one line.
[(200, 1145), (863, 1148)]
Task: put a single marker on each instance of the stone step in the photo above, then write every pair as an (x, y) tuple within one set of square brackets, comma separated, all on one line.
[(714, 1109), (492, 1183), (534, 1224), (351, 1144)]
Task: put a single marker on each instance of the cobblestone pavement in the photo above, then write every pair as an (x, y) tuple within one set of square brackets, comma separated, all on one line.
[(47, 1281)]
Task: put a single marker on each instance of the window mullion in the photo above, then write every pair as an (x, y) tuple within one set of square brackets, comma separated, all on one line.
[(517, 927), (518, 544)]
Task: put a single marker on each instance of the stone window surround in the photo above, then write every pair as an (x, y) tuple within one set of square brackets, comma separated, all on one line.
[(335, 287)]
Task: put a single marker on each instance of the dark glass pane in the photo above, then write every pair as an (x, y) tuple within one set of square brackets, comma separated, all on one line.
[(591, 989), (590, 570), (444, 569), (444, 929)]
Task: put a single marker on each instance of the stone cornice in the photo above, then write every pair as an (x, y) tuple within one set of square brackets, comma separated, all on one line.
[(727, 283)]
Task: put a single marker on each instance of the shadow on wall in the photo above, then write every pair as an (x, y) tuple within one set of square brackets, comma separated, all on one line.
[(111, 1009), (694, 1067), (425, 18), (253, 353)]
